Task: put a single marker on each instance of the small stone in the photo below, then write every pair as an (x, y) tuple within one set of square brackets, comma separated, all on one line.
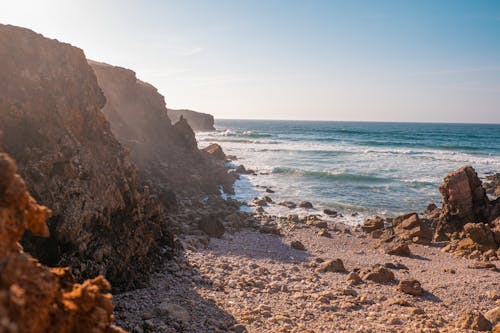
[(324, 233), (354, 279), (297, 245), (332, 265), (398, 249)]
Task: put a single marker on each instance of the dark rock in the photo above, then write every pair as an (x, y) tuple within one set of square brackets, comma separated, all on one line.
[(330, 212), (212, 226), (306, 204), (297, 245)]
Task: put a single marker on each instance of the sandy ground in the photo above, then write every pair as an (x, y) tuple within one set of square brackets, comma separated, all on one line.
[(258, 282)]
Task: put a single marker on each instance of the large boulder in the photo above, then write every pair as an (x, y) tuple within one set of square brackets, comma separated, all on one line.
[(464, 200)]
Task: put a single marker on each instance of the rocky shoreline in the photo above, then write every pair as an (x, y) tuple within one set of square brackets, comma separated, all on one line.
[(134, 201)]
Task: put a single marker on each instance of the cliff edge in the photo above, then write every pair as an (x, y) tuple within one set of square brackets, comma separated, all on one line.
[(52, 124), (199, 122)]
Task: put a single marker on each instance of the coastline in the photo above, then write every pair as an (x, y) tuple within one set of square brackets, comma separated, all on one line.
[(263, 275)]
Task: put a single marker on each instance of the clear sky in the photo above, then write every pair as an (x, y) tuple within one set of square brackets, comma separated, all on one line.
[(399, 60)]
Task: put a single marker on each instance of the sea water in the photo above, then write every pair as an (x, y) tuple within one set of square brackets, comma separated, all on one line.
[(356, 168)]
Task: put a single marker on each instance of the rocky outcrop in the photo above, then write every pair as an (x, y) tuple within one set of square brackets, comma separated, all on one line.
[(34, 298), (167, 155), (464, 200), (199, 122), (52, 124)]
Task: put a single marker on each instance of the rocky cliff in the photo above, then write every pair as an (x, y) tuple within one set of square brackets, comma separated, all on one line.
[(167, 155), (52, 124), (34, 298), (199, 122)]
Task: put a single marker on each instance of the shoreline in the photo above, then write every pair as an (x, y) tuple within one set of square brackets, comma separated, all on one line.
[(256, 278)]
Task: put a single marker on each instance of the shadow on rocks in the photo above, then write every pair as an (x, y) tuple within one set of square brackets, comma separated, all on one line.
[(171, 304)]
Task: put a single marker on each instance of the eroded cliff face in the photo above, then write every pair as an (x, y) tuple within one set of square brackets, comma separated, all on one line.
[(167, 155), (52, 124), (199, 122), (34, 298)]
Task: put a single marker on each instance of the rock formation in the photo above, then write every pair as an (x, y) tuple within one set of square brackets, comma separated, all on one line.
[(52, 124), (167, 155), (34, 298), (199, 122)]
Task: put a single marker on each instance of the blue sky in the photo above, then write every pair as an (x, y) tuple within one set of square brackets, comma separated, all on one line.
[(325, 60)]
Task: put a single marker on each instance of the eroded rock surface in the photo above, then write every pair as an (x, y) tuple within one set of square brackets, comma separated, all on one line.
[(167, 154), (34, 298), (52, 124)]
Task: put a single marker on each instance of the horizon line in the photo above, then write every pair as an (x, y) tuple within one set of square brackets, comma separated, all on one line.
[(362, 121)]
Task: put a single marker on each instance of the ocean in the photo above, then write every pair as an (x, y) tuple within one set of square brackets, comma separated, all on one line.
[(356, 168)]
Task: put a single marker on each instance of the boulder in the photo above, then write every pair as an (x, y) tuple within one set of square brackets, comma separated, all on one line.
[(330, 212), (411, 227), (288, 204), (372, 224), (474, 320), (397, 248), (212, 226), (215, 151), (306, 205), (411, 287), (378, 274), (464, 200), (482, 236)]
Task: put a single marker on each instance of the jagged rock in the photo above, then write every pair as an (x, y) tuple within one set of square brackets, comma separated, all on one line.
[(52, 124), (242, 170), (34, 298), (464, 200), (199, 122), (373, 224), (411, 227), (493, 316), (331, 265), (215, 151), (378, 274), (474, 320), (411, 287), (306, 204), (492, 184), (481, 235), (297, 245), (167, 155), (212, 226)]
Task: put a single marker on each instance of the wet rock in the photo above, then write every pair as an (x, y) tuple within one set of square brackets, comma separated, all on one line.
[(331, 265), (297, 245), (474, 320), (330, 212), (411, 287), (268, 190), (212, 226), (373, 224), (378, 274), (306, 204), (288, 204)]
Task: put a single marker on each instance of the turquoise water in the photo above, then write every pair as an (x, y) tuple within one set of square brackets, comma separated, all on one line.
[(381, 168)]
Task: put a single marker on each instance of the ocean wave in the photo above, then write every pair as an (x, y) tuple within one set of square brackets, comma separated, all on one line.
[(349, 177)]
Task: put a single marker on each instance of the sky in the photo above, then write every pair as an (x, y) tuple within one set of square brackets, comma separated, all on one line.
[(351, 60)]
